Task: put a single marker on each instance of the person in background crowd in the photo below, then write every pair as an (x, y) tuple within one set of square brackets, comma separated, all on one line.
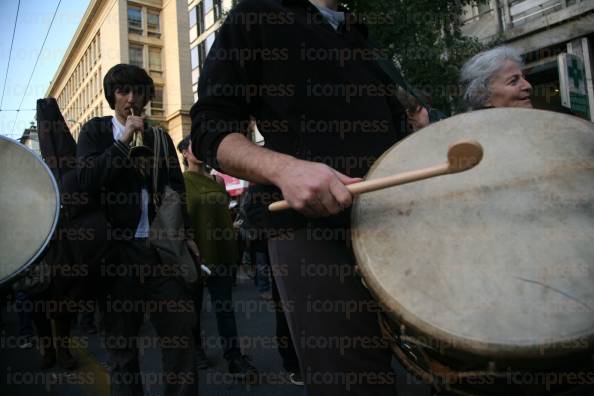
[(420, 111), (25, 319), (40, 300), (257, 246), (208, 210), (494, 78), (251, 233), (87, 322)]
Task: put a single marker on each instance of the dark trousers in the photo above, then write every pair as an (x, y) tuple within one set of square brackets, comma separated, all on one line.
[(138, 285), (25, 319), (219, 286), (332, 318), (87, 319), (284, 341)]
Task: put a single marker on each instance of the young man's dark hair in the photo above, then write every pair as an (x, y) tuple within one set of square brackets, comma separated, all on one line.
[(127, 77), (183, 145)]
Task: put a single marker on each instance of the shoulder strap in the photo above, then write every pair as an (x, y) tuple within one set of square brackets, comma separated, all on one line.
[(392, 71), (165, 144), (394, 74), (156, 155), (160, 140)]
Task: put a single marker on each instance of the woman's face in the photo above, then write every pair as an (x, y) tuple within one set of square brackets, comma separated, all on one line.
[(509, 88)]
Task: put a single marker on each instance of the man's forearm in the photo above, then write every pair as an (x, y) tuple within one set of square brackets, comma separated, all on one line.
[(240, 157), (311, 188)]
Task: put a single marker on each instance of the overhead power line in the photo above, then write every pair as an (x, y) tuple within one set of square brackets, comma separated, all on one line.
[(36, 60), (10, 52)]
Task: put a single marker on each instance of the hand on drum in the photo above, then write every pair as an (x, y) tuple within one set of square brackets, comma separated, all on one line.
[(315, 189)]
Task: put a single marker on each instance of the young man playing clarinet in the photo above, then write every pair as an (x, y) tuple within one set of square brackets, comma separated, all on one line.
[(134, 281)]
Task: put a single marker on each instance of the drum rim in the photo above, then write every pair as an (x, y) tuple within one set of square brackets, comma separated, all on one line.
[(417, 326), (54, 183)]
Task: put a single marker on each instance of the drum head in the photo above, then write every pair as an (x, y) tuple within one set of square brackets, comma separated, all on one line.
[(497, 261), (29, 207)]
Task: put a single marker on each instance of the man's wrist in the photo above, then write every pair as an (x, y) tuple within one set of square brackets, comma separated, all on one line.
[(278, 166)]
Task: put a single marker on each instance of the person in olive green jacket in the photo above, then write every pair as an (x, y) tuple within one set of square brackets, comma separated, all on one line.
[(208, 208)]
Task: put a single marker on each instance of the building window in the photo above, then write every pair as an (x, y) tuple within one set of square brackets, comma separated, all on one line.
[(155, 59), (483, 8), (207, 5), (136, 57), (195, 75), (196, 15), (209, 41), (201, 54), (198, 55), (218, 9), (152, 24), (200, 18), (157, 102), (192, 16), (134, 20), (194, 57), (98, 46)]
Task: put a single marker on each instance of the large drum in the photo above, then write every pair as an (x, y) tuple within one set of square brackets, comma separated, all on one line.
[(29, 207), (487, 277)]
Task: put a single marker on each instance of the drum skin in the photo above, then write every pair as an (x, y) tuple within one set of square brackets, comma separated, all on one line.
[(29, 207), (496, 262)]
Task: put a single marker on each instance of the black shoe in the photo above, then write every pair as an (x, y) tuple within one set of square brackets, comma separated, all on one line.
[(242, 367), (202, 361), (48, 357)]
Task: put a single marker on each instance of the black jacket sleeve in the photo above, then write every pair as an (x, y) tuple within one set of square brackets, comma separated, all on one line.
[(230, 73), (97, 166)]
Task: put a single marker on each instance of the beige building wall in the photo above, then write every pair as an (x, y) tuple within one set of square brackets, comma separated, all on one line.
[(103, 40), (176, 61)]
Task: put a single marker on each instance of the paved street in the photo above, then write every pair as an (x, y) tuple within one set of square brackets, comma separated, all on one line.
[(20, 373)]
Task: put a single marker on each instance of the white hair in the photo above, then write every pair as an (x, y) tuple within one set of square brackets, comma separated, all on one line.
[(477, 73)]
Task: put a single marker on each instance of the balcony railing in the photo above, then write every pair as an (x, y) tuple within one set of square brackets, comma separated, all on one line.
[(513, 13), (526, 10)]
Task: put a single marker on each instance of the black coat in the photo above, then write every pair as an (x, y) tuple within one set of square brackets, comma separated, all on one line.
[(106, 173)]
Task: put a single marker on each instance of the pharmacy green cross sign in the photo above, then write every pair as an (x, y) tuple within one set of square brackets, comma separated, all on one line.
[(572, 84), (575, 72)]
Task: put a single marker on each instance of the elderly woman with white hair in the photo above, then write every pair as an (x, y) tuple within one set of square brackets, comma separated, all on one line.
[(494, 78)]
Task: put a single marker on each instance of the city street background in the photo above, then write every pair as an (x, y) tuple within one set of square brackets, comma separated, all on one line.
[(256, 326)]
